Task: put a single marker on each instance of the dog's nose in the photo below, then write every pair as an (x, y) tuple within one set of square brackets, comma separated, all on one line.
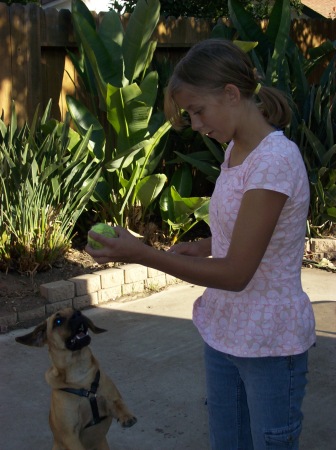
[(76, 318), (76, 315)]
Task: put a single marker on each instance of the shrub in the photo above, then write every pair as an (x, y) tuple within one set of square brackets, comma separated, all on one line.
[(46, 179)]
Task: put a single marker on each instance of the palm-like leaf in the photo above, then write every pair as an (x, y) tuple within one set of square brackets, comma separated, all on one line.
[(136, 43)]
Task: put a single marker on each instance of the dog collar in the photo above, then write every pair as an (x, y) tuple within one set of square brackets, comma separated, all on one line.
[(92, 396)]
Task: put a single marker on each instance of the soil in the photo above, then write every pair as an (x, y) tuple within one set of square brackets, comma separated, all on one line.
[(21, 291)]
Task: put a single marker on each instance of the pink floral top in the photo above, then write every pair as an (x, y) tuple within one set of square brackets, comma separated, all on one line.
[(272, 316)]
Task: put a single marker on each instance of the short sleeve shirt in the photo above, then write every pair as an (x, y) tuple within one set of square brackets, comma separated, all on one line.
[(272, 316)]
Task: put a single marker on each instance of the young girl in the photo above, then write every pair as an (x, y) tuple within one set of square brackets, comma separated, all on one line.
[(255, 319)]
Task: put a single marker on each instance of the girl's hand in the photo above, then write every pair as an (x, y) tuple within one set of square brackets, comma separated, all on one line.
[(195, 248), (124, 248)]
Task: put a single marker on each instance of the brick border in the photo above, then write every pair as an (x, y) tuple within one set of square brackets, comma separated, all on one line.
[(91, 290), (115, 284), (322, 248)]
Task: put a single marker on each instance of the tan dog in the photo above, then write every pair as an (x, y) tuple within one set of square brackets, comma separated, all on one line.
[(83, 400)]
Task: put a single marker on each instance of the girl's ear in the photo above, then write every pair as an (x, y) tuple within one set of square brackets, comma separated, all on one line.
[(232, 94)]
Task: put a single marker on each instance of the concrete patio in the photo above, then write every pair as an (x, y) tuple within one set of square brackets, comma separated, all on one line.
[(154, 354)]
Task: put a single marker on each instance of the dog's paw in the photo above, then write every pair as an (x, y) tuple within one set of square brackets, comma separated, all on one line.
[(128, 422)]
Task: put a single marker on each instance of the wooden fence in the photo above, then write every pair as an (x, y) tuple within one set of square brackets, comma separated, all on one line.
[(34, 65)]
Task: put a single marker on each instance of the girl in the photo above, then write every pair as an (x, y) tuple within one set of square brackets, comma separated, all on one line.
[(256, 322)]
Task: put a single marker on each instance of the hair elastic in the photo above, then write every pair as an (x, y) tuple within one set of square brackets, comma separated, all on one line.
[(257, 89)]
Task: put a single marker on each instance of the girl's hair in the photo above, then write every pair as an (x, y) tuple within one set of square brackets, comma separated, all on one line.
[(212, 64)]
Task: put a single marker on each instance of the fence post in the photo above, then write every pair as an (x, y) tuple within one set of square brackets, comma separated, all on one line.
[(34, 70), (6, 65)]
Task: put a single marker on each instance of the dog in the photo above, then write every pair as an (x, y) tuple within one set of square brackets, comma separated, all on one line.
[(84, 400)]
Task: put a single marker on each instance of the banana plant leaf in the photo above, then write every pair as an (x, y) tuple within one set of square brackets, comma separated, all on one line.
[(148, 188), (277, 31), (183, 213), (152, 147), (79, 8), (279, 22), (201, 162), (96, 53), (299, 80), (136, 42), (202, 213), (316, 145), (125, 158), (183, 207), (216, 149), (85, 120), (149, 87), (111, 33), (128, 116), (182, 180), (249, 30)]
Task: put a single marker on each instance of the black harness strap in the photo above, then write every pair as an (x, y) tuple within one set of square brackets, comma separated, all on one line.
[(91, 395)]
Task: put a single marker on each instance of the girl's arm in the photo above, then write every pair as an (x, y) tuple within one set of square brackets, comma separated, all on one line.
[(257, 217)]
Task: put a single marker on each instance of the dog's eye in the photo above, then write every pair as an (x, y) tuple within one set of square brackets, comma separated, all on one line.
[(58, 321)]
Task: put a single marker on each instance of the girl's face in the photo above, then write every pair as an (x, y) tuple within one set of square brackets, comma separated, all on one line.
[(210, 114)]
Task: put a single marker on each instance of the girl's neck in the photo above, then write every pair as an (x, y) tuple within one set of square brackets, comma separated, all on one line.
[(245, 144)]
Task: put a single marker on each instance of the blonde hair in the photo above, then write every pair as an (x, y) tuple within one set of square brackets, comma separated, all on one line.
[(212, 64)]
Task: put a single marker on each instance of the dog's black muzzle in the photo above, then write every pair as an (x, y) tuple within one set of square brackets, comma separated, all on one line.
[(79, 332)]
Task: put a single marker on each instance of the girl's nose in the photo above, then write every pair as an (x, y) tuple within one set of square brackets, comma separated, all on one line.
[(196, 123)]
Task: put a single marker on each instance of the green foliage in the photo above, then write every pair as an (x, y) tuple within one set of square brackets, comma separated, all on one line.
[(181, 205), (182, 213), (317, 135), (206, 159), (207, 10), (114, 64), (46, 180), (191, 8), (282, 64)]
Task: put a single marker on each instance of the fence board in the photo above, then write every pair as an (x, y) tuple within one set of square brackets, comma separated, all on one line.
[(70, 85), (58, 31), (19, 49), (5, 58), (312, 33), (34, 70), (54, 71)]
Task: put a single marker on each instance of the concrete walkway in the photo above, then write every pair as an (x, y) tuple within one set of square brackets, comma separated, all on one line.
[(154, 354)]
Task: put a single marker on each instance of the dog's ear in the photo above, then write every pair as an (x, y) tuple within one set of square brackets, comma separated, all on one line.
[(37, 338), (93, 327)]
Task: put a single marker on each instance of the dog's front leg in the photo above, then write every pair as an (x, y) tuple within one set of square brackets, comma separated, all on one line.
[(122, 413)]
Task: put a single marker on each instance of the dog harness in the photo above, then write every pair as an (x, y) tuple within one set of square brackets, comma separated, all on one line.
[(92, 396)]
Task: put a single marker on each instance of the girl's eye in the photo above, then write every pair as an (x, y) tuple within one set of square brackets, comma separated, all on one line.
[(197, 111), (186, 118)]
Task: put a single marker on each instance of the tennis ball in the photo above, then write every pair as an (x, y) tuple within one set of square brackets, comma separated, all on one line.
[(105, 230)]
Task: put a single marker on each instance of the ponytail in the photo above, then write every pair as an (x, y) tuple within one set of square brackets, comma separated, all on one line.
[(274, 107)]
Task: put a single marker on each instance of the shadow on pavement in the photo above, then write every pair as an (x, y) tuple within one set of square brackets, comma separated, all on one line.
[(154, 355), (319, 430), (156, 363)]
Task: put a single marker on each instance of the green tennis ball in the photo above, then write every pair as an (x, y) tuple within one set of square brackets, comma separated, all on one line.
[(105, 230)]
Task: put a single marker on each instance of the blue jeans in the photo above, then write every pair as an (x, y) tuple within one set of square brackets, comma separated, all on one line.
[(254, 403)]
